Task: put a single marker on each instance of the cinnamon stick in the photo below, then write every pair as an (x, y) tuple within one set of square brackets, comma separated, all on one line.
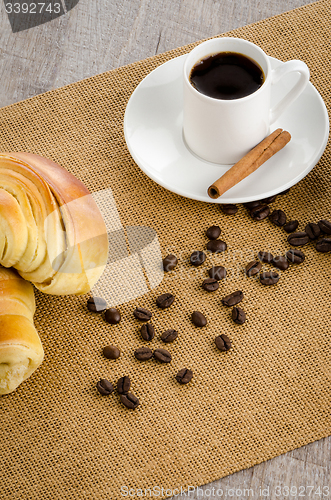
[(250, 162)]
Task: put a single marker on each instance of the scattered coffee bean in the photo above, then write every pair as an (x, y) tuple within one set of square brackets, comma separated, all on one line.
[(96, 304), (142, 314), (147, 331), (229, 209), (111, 352), (313, 230), (260, 212), (278, 217), (143, 353), (105, 387), (169, 335), (213, 232), (291, 226), (253, 268), (169, 263), (123, 385), (324, 245), (113, 316), (165, 300), (129, 400), (217, 272), (265, 257), (238, 315), (295, 256), (162, 355), (281, 262), (198, 319), (210, 284), (252, 204), (325, 226), (216, 246), (197, 258), (223, 343), (269, 277), (267, 201), (184, 376), (298, 239), (233, 298)]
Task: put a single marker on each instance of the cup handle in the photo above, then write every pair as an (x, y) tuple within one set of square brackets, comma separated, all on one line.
[(277, 74)]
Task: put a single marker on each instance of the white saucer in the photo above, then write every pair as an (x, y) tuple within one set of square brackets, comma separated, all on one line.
[(153, 133)]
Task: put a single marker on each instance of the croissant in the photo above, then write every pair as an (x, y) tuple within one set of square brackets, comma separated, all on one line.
[(21, 351), (51, 229)]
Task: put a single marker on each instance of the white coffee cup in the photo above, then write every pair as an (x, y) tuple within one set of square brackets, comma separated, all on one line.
[(223, 131)]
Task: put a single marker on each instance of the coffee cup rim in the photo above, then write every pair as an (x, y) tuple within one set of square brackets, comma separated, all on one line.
[(212, 41)]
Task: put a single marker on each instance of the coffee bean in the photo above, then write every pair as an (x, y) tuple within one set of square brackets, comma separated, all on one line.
[(105, 387), (252, 204), (111, 352), (238, 315), (324, 245), (260, 212), (325, 226), (123, 385), (269, 278), (213, 232), (281, 262), (184, 376), (198, 319), (267, 201), (147, 331), (291, 226), (169, 263), (129, 400), (169, 335), (265, 257), (278, 217), (229, 209), (165, 300), (113, 316), (217, 272), (162, 355), (253, 268), (197, 258), (142, 314), (298, 239), (210, 285), (143, 353), (313, 230), (295, 256), (223, 343), (233, 298), (216, 246), (96, 304)]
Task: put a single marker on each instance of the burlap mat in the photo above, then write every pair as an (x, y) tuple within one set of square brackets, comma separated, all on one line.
[(270, 394)]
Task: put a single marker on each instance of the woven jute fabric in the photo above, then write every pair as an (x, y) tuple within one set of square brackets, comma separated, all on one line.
[(60, 439)]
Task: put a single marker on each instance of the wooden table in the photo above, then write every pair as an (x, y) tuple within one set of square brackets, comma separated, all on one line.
[(97, 36)]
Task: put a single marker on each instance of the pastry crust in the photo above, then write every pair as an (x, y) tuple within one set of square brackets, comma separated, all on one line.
[(21, 351), (51, 229)]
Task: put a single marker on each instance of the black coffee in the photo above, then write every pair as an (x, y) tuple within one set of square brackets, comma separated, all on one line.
[(226, 75)]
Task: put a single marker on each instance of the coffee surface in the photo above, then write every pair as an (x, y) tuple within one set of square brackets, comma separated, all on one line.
[(226, 75)]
